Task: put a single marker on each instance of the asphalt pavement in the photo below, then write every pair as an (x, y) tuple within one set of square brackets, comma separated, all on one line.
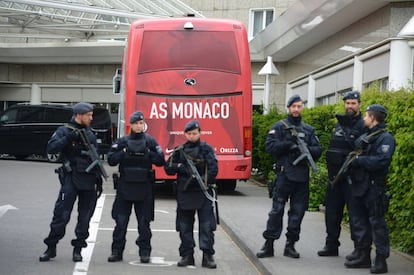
[(29, 190), (246, 222)]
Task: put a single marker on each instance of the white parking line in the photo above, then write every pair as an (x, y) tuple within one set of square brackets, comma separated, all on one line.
[(81, 268)]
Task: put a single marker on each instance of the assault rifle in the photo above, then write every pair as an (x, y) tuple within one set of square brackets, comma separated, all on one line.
[(303, 148), (345, 166), (354, 154), (93, 155), (195, 174)]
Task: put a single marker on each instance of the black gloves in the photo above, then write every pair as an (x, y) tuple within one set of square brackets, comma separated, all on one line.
[(182, 168), (122, 147), (344, 120), (211, 182)]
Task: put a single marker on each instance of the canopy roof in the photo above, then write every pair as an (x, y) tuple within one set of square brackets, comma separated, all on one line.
[(79, 20)]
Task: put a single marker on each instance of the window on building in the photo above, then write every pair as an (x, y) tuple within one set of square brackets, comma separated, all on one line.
[(331, 98), (259, 19), (381, 84)]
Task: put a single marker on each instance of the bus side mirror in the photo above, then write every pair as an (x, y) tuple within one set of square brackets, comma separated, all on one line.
[(116, 82)]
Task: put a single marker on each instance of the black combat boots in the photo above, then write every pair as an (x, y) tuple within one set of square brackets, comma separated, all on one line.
[(380, 265), (145, 257), (116, 256), (327, 251), (49, 254), (76, 256), (208, 261), (354, 255), (186, 260), (266, 250), (290, 250), (363, 261)]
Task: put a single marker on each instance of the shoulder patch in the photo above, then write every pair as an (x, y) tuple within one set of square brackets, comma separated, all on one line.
[(272, 132), (385, 148)]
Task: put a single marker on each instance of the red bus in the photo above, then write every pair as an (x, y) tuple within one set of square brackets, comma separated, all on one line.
[(179, 69)]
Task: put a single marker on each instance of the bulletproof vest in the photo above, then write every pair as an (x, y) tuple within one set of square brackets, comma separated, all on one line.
[(77, 146), (79, 162), (299, 172), (137, 154), (347, 130), (361, 178), (192, 197), (195, 154), (136, 175)]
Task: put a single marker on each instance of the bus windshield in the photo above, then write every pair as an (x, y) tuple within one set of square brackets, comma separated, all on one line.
[(183, 50)]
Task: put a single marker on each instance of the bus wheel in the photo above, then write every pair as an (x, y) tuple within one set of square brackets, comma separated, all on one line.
[(227, 185)]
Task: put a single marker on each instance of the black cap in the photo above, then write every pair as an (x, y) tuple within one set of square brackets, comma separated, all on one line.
[(352, 95), (82, 108), (136, 117), (191, 125), (377, 108), (293, 99)]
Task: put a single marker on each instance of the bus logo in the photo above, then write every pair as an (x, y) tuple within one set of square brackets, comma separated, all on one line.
[(190, 81)]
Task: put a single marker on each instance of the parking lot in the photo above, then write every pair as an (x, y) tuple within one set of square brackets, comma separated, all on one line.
[(28, 192)]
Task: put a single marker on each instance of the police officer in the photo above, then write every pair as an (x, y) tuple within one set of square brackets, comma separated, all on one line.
[(369, 202), (76, 183), (191, 198), (292, 181), (135, 155), (348, 128)]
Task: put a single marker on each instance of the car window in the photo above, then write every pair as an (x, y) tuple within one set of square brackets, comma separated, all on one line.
[(9, 116), (30, 114), (101, 119), (58, 114)]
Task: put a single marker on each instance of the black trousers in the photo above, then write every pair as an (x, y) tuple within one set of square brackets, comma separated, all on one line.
[(207, 225), (63, 208), (335, 200), (298, 194), (121, 211), (369, 226)]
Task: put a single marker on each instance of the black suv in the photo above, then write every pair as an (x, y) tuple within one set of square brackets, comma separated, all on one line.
[(25, 129)]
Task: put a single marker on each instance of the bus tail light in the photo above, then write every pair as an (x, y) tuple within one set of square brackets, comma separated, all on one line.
[(247, 141)]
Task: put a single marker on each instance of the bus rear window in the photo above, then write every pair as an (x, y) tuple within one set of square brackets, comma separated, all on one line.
[(194, 50)]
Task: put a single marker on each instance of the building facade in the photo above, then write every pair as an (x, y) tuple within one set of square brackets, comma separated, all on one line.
[(321, 48)]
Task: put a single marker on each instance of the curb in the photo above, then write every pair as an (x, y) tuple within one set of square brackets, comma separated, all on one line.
[(344, 226), (250, 255)]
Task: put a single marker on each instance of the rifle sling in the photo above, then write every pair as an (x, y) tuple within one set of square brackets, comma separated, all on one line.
[(288, 127), (204, 190)]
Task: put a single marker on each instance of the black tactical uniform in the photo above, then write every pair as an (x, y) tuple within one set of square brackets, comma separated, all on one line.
[(135, 155), (76, 183), (190, 198), (292, 182), (369, 202), (347, 130)]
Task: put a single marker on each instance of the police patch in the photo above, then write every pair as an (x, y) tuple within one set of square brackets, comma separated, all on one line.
[(114, 146), (385, 148), (272, 131)]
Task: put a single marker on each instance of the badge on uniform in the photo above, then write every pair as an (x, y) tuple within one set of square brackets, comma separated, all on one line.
[(272, 131), (385, 148)]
